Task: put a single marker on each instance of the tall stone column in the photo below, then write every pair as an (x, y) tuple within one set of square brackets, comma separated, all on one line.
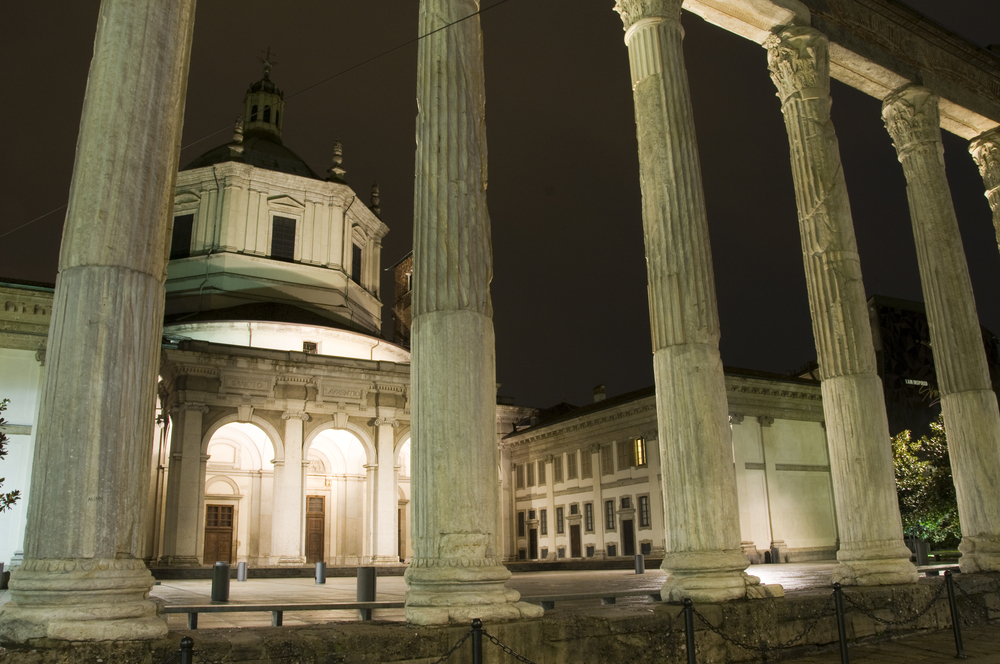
[(703, 560), (550, 506), (287, 513), (968, 403), (871, 533), (81, 579), (456, 573), (385, 551), (985, 150), (600, 551), (185, 486)]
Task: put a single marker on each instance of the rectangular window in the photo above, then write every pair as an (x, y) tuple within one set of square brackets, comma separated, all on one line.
[(283, 238), (310, 347), (590, 550), (607, 461), (180, 238), (561, 552), (560, 528), (541, 472), (612, 550), (219, 516), (646, 548), (588, 517), (574, 509), (609, 515), (545, 553), (520, 524), (640, 453), (519, 472), (531, 515), (522, 554), (571, 465), (644, 520), (623, 453), (531, 473), (543, 522), (586, 464), (557, 468), (356, 263), (626, 502)]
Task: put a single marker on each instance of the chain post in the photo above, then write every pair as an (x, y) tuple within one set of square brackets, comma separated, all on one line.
[(955, 623), (187, 650), (689, 629), (477, 641), (838, 595)]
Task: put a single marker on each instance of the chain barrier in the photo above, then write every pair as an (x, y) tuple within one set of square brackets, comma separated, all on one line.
[(978, 603), (455, 647), (764, 648), (870, 612), (506, 649)]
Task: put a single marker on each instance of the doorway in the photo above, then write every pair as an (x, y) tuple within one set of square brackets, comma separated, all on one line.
[(533, 544), (574, 541), (218, 534), (315, 528), (628, 538)]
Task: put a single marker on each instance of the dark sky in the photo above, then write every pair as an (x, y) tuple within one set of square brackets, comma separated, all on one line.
[(569, 288)]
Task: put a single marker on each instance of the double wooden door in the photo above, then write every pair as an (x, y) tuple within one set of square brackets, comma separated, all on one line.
[(218, 534), (315, 528)]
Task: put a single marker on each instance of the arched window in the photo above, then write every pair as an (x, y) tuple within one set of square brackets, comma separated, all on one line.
[(253, 113), (267, 114), (276, 116)]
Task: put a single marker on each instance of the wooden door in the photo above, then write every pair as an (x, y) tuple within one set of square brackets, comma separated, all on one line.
[(218, 534), (574, 541), (315, 528), (628, 538)]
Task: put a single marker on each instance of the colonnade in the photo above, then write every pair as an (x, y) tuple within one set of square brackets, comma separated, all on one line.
[(82, 578)]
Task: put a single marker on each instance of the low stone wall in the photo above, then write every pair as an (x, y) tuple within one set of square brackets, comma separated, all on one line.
[(636, 631)]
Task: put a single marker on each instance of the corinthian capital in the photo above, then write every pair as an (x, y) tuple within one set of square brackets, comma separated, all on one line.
[(912, 118), (799, 61), (633, 11), (985, 149)]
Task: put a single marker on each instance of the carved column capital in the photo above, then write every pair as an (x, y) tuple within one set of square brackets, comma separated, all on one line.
[(633, 11), (913, 119), (297, 415), (736, 418), (985, 150), (798, 58), (765, 420), (384, 421), (188, 406)]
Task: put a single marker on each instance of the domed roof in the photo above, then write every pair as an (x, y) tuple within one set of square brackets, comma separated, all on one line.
[(259, 150)]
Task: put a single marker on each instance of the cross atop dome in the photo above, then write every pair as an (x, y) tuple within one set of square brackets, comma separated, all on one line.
[(268, 62)]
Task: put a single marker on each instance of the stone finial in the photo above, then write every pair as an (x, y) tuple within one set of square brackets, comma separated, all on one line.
[(378, 210), (799, 61), (600, 392), (337, 171)]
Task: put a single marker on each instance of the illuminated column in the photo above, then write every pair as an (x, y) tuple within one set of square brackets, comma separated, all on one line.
[(985, 149), (386, 549), (872, 551), (456, 573), (550, 505), (82, 578), (287, 514), (185, 486), (703, 559), (968, 403)]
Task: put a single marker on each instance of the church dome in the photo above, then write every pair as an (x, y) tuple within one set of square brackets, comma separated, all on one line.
[(260, 151)]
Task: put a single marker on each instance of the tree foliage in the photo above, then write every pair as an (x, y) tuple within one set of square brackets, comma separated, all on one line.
[(7, 500), (925, 488)]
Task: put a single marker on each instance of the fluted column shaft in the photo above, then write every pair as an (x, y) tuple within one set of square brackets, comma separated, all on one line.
[(456, 573), (82, 578), (871, 534), (985, 150), (703, 559), (968, 403)]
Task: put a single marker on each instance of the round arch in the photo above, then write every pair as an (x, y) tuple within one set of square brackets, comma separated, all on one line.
[(359, 433), (233, 418), (222, 478), (403, 440)]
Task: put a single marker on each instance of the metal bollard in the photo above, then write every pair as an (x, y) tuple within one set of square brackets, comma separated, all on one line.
[(955, 622), (241, 571), (366, 589), (838, 598), (689, 629), (640, 564), (320, 573), (187, 650), (477, 641), (220, 581)]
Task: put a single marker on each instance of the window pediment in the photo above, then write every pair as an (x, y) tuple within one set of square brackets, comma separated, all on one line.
[(285, 202)]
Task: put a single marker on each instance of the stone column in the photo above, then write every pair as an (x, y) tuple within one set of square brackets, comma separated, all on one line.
[(456, 574), (871, 533), (550, 506), (985, 150), (703, 559), (595, 465), (386, 545), (968, 403), (287, 512), (185, 487), (81, 579)]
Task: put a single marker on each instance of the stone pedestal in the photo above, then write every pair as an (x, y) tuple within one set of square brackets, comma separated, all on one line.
[(288, 515), (82, 579), (456, 573), (703, 558), (969, 405), (985, 149), (872, 551)]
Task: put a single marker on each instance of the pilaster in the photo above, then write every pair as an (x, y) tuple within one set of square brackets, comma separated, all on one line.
[(288, 515), (871, 534), (385, 550), (185, 486), (968, 403), (703, 560)]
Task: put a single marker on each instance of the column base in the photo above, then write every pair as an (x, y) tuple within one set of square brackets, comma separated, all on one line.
[(288, 561), (979, 554), (712, 576), (455, 591), (179, 561), (885, 565), (81, 599), (385, 560)]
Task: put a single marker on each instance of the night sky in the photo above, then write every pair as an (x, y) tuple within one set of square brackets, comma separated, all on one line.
[(569, 286)]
